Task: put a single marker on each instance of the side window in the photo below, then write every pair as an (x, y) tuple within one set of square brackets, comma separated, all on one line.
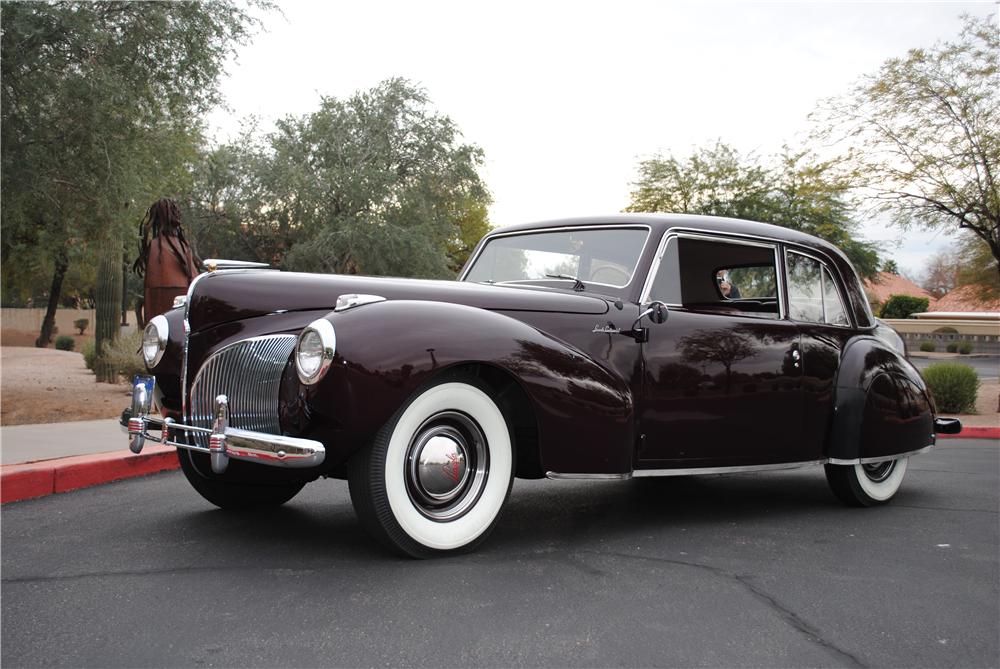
[(812, 293), (718, 276), (834, 311)]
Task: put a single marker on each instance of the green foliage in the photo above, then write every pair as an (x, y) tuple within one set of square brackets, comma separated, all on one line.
[(890, 266), (65, 343), (964, 347), (946, 330), (793, 189), (123, 357), (954, 387), (100, 115), (902, 306), (928, 346), (952, 347), (81, 324), (378, 183), (977, 266), (89, 352), (922, 135)]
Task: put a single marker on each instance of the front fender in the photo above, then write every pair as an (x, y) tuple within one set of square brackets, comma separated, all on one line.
[(387, 351), (882, 405)]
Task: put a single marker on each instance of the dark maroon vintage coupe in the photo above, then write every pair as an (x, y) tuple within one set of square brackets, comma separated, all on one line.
[(596, 348)]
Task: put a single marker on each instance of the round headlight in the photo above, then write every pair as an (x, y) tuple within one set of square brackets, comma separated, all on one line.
[(154, 341), (314, 352)]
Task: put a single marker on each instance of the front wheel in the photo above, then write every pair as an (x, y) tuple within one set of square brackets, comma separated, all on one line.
[(867, 484), (233, 490), (436, 476)]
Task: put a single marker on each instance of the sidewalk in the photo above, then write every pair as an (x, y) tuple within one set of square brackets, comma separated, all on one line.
[(43, 459), (27, 443)]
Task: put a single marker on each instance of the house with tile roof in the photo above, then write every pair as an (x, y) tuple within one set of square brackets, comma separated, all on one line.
[(967, 299), (887, 284)]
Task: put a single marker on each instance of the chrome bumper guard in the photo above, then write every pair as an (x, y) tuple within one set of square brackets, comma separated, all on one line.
[(224, 442)]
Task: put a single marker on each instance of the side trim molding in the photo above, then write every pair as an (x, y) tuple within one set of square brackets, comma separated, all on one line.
[(694, 471), (881, 458)]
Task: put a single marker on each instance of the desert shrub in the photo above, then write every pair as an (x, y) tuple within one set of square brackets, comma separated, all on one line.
[(65, 343), (946, 330), (81, 324), (89, 352), (928, 346), (902, 306), (952, 347), (123, 355), (964, 347), (954, 386)]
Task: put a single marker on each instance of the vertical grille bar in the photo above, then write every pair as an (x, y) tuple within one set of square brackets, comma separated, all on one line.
[(249, 373)]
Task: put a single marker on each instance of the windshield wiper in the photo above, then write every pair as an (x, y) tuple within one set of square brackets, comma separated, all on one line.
[(577, 284)]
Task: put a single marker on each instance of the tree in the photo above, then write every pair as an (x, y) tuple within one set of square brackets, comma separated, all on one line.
[(902, 306), (941, 273), (922, 135), (378, 183), (100, 112), (793, 189), (978, 267), (889, 265)]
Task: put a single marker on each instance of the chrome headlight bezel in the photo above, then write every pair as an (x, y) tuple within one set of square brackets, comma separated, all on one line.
[(323, 329), (154, 340)]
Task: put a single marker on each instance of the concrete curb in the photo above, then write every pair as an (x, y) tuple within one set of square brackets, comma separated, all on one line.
[(974, 433), (37, 479)]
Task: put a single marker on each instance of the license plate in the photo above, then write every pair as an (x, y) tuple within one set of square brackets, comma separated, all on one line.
[(148, 381)]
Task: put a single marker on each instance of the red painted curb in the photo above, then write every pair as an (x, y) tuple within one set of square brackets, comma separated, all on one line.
[(974, 433), (37, 479)]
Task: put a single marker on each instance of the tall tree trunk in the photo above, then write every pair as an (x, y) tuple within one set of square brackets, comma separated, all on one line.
[(109, 299), (62, 263)]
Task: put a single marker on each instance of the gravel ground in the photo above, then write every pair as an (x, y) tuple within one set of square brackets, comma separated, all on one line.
[(42, 385)]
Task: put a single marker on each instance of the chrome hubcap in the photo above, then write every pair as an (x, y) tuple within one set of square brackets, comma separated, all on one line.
[(446, 466), (879, 471), (441, 464)]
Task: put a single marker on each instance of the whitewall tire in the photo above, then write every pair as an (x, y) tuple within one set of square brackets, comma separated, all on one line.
[(437, 475), (868, 484)]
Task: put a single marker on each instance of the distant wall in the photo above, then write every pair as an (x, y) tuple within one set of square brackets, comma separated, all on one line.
[(984, 335), (30, 320)]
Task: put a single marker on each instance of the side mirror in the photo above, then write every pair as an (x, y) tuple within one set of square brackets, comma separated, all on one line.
[(657, 312)]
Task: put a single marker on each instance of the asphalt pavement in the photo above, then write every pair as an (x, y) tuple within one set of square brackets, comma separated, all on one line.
[(740, 570)]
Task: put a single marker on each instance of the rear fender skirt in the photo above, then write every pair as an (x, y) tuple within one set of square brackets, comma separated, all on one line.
[(386, 351), (882, 405)]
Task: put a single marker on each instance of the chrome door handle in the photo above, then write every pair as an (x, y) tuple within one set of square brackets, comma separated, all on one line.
[(796, 356)]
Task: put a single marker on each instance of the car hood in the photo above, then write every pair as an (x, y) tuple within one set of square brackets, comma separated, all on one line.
[(222, 297)]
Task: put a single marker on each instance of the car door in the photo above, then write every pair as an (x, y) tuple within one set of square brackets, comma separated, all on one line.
[(816, 303), (721, 382)]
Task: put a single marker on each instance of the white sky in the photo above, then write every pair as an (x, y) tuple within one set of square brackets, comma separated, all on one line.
[(566, 97)]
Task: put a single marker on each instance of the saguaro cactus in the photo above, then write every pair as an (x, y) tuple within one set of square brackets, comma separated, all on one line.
[(109, 299)]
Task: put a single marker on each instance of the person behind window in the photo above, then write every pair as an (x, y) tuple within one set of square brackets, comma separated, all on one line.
[(728, 290)]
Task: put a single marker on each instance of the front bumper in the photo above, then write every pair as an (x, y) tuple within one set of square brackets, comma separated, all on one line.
[(225, 442)]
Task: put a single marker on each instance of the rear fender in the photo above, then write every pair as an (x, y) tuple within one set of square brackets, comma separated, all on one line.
[(387, 351), (882, 405)]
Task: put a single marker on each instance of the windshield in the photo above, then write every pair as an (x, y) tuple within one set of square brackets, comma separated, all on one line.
[(605, 256)]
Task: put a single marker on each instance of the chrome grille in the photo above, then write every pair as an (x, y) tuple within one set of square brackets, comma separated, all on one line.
[(249, 374)]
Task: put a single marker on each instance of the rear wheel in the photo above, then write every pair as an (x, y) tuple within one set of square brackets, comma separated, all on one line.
[(235, 489), (866, 484), (438, 473)]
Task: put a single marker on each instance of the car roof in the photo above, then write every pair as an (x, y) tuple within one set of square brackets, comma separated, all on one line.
[(660, 222)]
